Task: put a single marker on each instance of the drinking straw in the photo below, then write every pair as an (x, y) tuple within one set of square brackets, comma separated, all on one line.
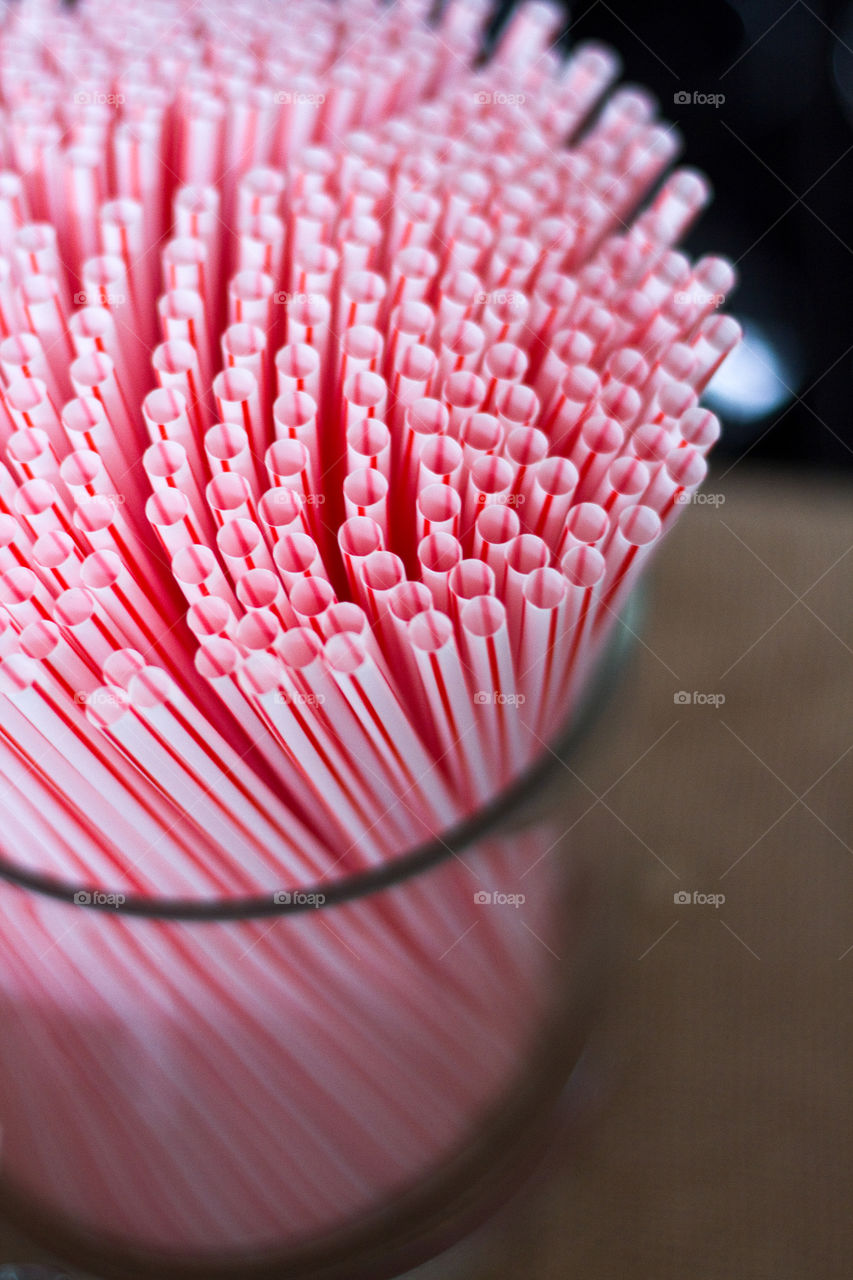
[(550, 489), (439, 508), (584, 568), (452, 718), (630, 539), (227, 449), (295, 418), (390, 732), (29, 405), (701, 428), (250, 299), (369, 445), (438, 554), (486, 644)]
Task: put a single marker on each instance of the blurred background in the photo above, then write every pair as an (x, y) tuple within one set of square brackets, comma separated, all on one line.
[(779, 152)]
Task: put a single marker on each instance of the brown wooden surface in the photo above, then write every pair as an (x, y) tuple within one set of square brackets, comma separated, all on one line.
[(719, 1139), (723, 1144)]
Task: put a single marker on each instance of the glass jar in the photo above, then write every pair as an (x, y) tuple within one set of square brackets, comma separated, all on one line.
[(325, 1085)]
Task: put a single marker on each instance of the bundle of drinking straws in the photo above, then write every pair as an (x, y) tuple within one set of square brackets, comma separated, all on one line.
[(349, 381)]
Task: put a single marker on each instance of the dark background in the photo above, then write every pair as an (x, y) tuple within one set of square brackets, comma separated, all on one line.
[(779, 153)]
